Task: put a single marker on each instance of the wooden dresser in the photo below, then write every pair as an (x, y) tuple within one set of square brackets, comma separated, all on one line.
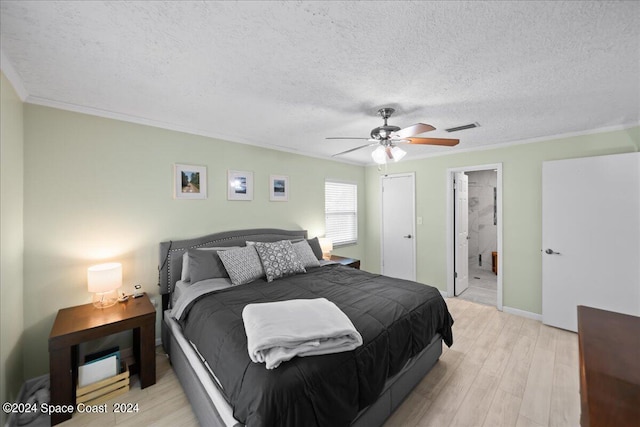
[(609, 346)]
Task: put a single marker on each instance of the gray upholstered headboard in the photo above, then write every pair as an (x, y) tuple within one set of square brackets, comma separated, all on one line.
[(171, 252)]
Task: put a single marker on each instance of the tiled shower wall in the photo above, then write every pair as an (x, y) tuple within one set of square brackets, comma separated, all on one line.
[(482, 228)]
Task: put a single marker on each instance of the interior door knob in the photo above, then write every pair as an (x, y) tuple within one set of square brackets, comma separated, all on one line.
[(408, 236), (551, 252)]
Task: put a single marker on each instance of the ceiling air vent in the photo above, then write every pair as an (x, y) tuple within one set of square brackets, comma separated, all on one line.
[(463, 127)]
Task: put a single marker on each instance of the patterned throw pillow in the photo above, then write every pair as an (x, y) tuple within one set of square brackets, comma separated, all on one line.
[(279, 259), (242, 264), (305, 254), (315, 247)]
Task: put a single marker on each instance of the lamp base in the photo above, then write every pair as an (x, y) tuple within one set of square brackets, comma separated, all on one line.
[(105, 299)]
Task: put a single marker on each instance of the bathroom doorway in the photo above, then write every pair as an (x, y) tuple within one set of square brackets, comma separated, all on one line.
[(483, 237), (482, 260)]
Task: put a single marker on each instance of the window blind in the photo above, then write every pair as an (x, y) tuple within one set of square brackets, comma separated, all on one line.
[(341, 212)]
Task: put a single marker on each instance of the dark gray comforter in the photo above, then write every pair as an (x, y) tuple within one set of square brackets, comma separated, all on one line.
[(396, 318)]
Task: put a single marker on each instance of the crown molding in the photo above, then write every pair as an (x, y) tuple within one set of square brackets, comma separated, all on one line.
[(200, 132), (13, 76), (169, 126)]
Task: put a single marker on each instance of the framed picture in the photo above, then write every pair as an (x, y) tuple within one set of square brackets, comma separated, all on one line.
[(240, 185), (279, 188), (190, 182)]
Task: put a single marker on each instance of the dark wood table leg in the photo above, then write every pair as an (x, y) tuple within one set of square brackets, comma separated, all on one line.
[(61, 375), (144, 340)]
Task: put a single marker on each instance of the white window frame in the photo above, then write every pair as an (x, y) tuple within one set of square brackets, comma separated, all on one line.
[(352, 238)]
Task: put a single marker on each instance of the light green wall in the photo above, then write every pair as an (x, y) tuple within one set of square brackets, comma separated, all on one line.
[(11, 242), (522, 214), (99, 190)]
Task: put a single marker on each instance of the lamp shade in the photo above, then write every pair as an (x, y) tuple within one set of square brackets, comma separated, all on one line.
[(398, 153), (104, 277), (325, 244), (379, 155)]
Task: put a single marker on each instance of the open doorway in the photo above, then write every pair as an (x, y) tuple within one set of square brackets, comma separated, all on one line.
[(475, 273), (483, 237)]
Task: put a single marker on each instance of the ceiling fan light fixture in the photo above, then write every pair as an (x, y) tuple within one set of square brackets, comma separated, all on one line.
[(398, 153), (379, 155), (387, 136)]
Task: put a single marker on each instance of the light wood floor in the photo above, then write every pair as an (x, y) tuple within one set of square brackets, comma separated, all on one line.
[(503, 370), (163, 404)]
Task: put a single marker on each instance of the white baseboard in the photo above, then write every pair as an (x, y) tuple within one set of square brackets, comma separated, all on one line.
[(510, 310), (522, 313)]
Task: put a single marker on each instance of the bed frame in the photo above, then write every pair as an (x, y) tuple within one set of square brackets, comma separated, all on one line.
[(206, 399)]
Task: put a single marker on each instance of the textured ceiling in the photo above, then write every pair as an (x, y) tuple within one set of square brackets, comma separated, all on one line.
[(289, 74)]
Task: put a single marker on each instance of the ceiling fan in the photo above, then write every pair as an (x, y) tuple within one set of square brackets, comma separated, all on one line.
[(386, 137)]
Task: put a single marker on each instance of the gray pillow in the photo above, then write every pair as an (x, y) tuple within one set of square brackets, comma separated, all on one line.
[(205, 264), (305, 254), (186, 276), (315, 247), (279, 259), (242, 264)]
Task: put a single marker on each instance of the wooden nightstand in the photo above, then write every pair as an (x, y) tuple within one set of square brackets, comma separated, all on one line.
[(83, 323), (349, 262)]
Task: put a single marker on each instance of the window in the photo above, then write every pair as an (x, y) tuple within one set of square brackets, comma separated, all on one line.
[(341, 212)]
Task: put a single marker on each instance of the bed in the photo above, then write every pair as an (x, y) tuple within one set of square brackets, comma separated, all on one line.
[(403, 325)]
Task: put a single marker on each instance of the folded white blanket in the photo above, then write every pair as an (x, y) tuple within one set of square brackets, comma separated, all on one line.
[(278, 331)]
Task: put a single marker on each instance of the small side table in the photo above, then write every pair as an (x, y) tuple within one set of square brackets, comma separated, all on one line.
[(349, 262), (83, 323)]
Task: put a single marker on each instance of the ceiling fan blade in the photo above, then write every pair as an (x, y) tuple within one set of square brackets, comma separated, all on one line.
[(387, 149), (354, 149), (416, 129), (434, 141), (344, 137)]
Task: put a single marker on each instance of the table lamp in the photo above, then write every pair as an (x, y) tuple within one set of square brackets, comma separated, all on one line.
[(103, 280), (327, 246)]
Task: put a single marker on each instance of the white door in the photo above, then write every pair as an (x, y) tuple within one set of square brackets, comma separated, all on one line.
[(461, 212), (398, 229), (590, 237)]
